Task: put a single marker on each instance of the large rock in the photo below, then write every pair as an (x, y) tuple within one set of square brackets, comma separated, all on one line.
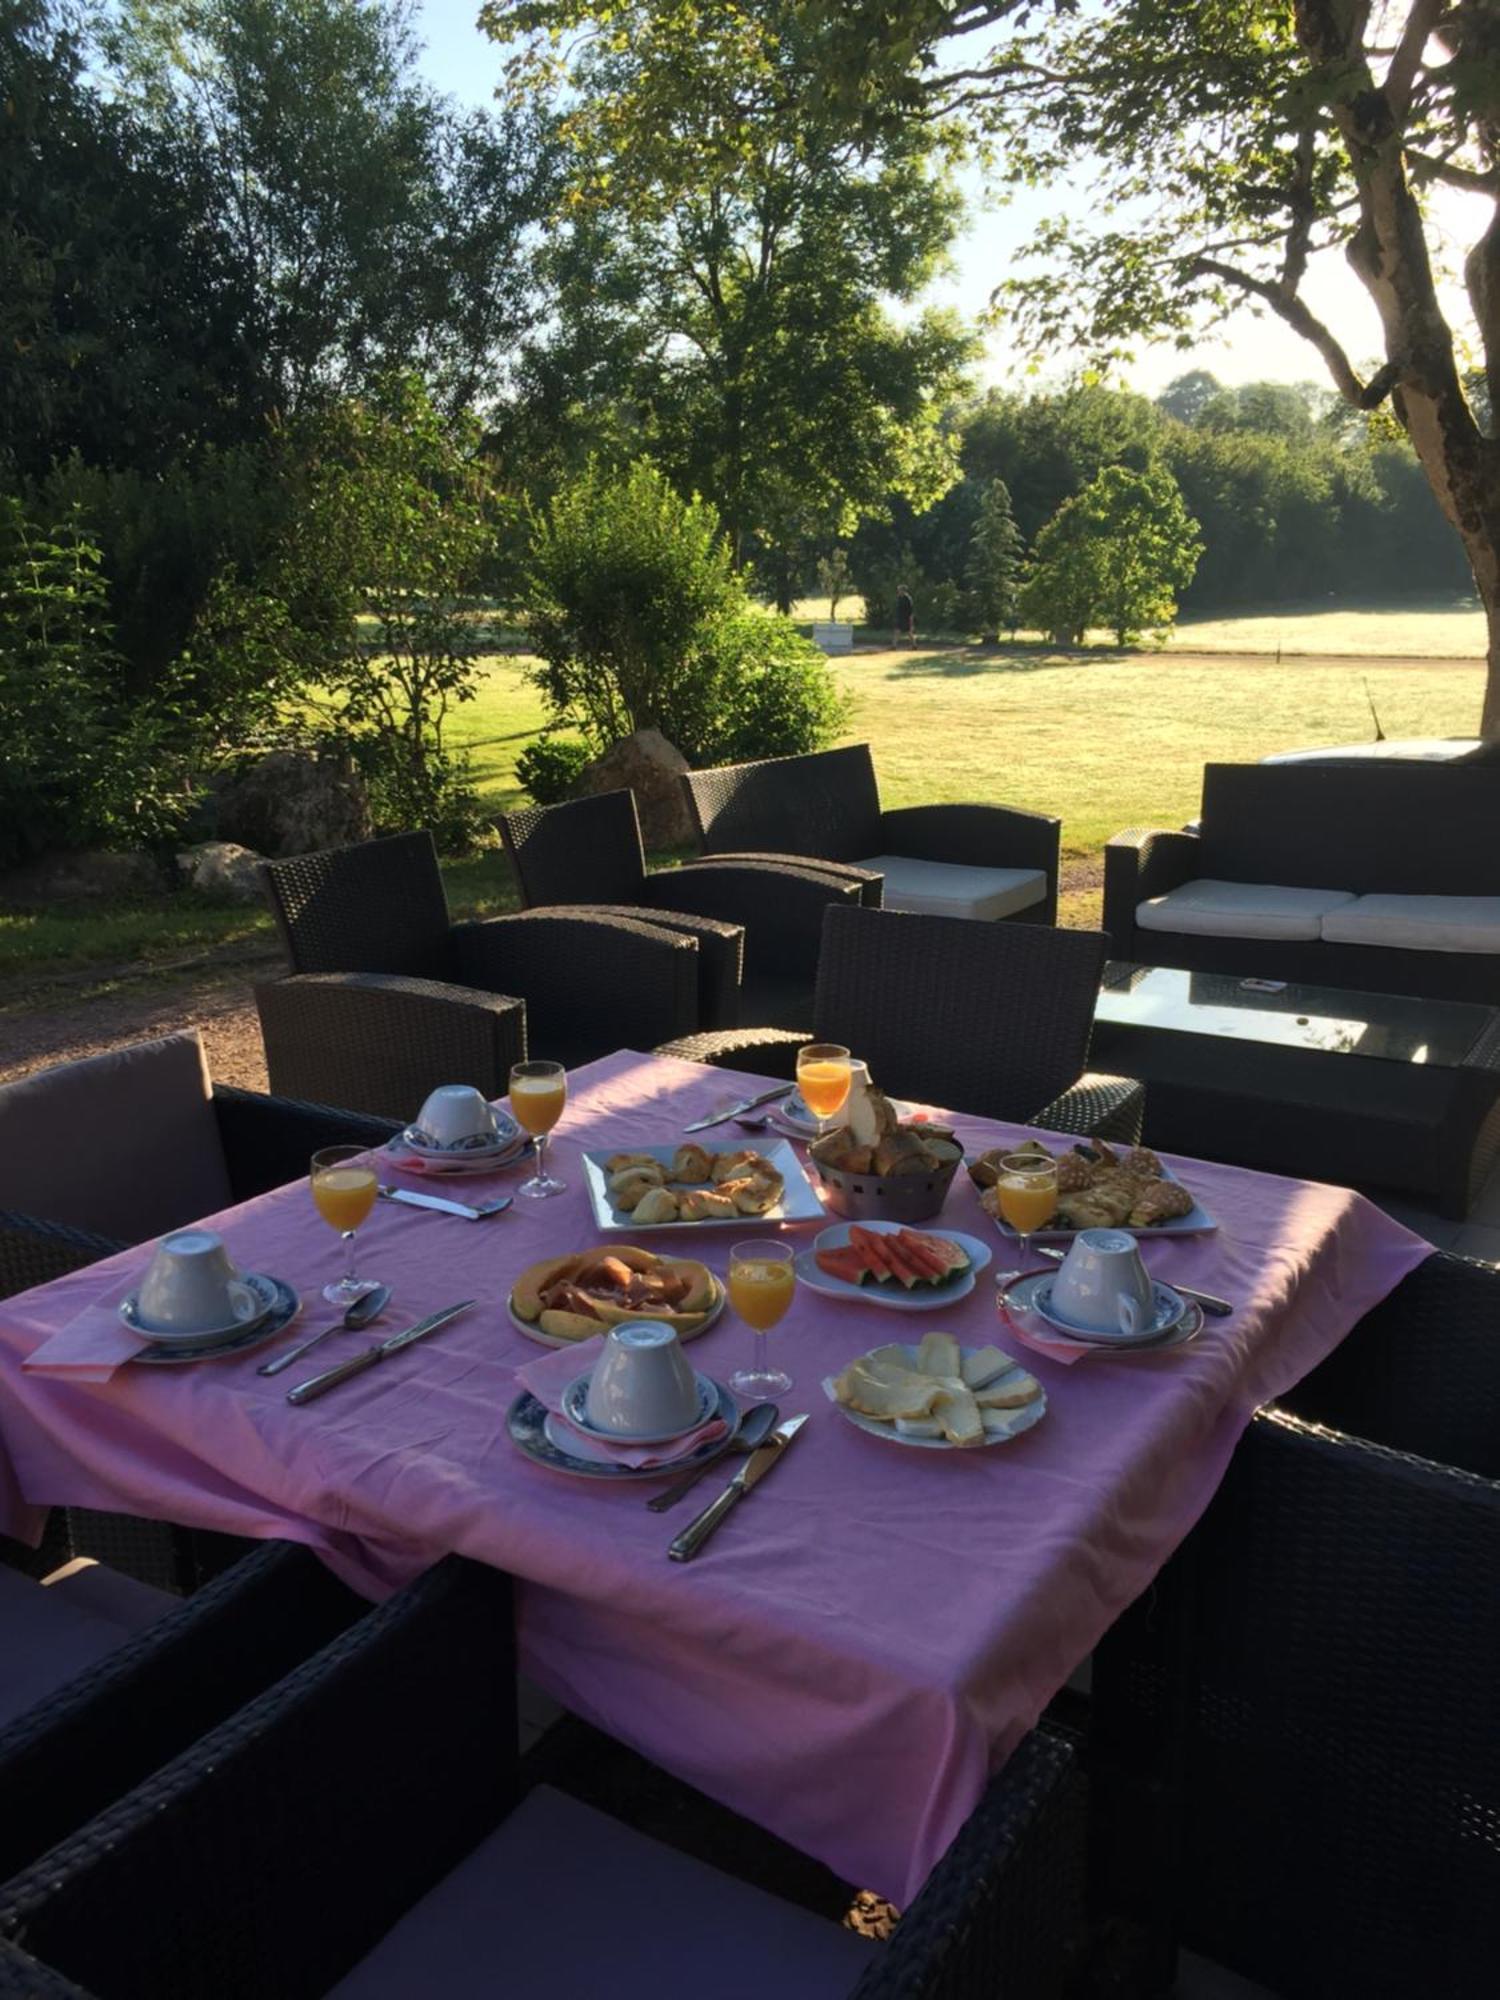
[(292, 803), (648, 765), (219, 868), (89, 874)]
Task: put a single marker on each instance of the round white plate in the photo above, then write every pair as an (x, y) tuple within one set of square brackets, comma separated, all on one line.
[(262, 1289), (534, 1332), (794, 1114), (893, 1296), (1034, 1294), (1017, 1420), (1187, 1328), (545, 1441), (575, 1408), (180, 1353), (436, 1166)]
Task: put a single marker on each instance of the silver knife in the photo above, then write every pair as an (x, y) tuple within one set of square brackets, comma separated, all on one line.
[(319, 1385), (466, 1209), (750, 1103), (755, 1468)]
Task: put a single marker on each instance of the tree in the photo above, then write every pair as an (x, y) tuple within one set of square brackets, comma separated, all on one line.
[(1115, 555), (748, 248), (1186, 395), (380, 227), (1232, 144), (834, 579), (994, 564)]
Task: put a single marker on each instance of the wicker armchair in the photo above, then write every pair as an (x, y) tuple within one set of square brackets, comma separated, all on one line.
[(314, 1774), (1327, 1737), (108, 1728), (388, 997), (993, 1017), (827, 806), (590, 852)]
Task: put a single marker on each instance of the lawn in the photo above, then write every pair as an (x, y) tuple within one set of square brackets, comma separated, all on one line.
[(1103, 740)]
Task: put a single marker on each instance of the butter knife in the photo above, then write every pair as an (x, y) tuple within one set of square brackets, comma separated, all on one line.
[(750, 1103), (409, 1198), (755, 1468), (319, 1385)]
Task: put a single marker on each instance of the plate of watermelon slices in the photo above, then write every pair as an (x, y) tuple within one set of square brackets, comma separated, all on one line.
[(889, 1264)]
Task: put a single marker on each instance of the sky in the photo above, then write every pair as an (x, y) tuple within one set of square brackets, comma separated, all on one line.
[(1253, 347)]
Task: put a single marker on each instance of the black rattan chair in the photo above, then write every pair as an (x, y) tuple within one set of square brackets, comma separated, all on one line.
[(827, 807), (992, 1018), (89, 1741), (1314, 1681), (377, 1770), (388, 997), (590, 852)]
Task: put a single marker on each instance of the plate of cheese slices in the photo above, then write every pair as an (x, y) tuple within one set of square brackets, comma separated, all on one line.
[(937, 1394)]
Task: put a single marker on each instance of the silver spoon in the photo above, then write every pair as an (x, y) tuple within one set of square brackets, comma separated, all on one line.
[(363, 1310), (753, 1431)]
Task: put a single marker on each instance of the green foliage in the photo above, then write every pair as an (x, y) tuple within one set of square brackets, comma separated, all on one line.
[(79, 770), (551, 768), (641, 623), (834, 578), (994, 565), (1113, 555)]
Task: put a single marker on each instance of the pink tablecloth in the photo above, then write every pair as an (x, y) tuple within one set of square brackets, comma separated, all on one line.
[(874, 1630)]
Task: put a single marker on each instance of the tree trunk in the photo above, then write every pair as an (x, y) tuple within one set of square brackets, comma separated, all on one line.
[(1489, 720)]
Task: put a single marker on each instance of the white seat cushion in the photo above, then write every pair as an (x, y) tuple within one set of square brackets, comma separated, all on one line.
[(1418, 923), (563, 1902), (1207, 908), (949, 889)]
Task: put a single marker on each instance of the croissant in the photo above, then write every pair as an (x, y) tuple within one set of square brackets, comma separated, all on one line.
[(755, 1196), (1143, 1163), (733, 1166), (1159, 1202), (690, 1163), (618, 1162), (705, 1205), (658, 1204)]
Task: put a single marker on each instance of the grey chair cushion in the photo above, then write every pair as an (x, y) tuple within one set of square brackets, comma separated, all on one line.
[(1417, 923), (561, 1900), (122, 1601), (125, 1144), (953, 889), (45, 1641), (1209, 908)]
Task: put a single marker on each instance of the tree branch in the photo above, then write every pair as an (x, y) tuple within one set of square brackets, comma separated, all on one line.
[(1401, 77), (1425, 168), (1297, 316)]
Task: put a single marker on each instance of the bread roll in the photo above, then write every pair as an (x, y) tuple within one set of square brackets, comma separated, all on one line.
[(704, 1205), (733, 1166), (756, 1196), (691, 1163), (626, 1190), (658, 1204), (618, 1162)]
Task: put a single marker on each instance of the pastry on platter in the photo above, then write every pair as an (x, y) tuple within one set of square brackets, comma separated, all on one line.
[(658, 1204), (1074, 1173), (627, 1189), (1160, 1201), (618, 1162), (733, 1166), (758, 1194), (690, 1164), (705, 1205)]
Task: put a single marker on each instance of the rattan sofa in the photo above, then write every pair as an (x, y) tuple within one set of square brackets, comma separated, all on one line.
[(590, 852), (388, 997), (1384, 877), (992, 1019), (290, 1841), (946, 860)]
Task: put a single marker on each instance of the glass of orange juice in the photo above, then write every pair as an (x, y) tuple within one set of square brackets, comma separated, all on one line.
[(1027, 1195), (344, 1187), (761, 1282), (538, 1092), (823, 1076)]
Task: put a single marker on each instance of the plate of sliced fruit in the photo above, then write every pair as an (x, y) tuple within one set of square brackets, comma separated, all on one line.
[(889, 1264)]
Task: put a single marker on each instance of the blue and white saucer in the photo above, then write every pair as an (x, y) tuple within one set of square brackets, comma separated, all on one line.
[(1034, 1294), (544, 1440), (282, 1308), (575, 1408)]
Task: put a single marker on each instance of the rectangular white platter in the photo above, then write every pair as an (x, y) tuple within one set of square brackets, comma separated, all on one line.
[(798, 1203), (1197, 1222)]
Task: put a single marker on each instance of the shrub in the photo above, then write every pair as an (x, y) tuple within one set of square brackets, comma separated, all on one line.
[(775, 693), (551, 767)]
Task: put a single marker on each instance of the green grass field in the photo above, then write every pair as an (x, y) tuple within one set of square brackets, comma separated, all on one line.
[(1103, 741)]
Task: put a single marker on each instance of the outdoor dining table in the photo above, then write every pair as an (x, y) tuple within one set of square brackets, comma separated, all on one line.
[(874, 1628)]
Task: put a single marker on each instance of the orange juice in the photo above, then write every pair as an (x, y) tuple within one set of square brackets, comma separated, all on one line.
[(761, 1293), (1026, 1203), (824, 1086), (538, 1101), (344, 1195)]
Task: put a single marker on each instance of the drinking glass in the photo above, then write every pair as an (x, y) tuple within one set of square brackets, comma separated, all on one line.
[(344, 1186), (1027, 1194), (823, 1078), (761, 1282), (538, 1092)]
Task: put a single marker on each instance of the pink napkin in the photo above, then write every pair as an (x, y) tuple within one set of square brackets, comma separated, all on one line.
[(92, 1345), (403, 1162), (1024, 1326), (547, 1379)]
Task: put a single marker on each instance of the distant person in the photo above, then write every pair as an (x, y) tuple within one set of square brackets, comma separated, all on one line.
[(905, 615)]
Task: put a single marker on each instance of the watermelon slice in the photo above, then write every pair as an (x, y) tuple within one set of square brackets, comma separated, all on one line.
[(950, 1256), (876, 1252), (848, 1264)]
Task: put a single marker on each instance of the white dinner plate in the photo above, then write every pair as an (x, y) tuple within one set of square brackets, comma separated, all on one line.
[(893, 1296), (798, 1203), (1017, 1420)]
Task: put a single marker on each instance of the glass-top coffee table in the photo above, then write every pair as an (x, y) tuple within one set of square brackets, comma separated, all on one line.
[(1323, 1082)]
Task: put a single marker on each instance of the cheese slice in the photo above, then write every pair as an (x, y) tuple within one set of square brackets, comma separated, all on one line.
[(984, 1366), (876, 1396), (1009, 1392), (958, 1414), (939, 1354)]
